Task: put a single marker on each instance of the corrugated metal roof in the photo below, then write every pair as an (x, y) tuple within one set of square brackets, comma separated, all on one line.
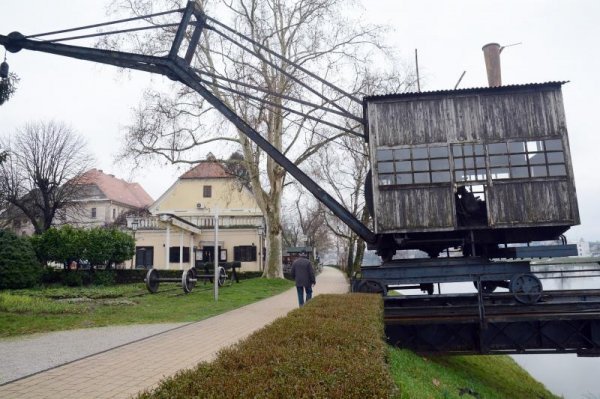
[(498, 89)]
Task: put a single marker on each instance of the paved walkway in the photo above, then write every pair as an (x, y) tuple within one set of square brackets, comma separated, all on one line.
[(126, 370)]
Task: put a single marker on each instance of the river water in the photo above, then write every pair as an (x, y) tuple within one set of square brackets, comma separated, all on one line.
[(565, 375)]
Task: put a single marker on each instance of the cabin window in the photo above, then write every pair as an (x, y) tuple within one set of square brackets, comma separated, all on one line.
[(93, 213), (207, 191), (469, 162), (527, 159), (417, 165)]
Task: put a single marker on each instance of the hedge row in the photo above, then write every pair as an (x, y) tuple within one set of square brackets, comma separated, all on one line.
[(112, 277), (333, 347), (18, 266)]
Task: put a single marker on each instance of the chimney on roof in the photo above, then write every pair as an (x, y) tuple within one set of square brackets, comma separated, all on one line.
[(491, 53)]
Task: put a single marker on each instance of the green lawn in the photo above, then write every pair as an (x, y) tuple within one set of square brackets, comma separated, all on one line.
[(489, 377), (51, 309)]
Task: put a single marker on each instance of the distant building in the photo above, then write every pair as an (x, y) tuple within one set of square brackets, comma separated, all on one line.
[(595, 248), (102, 199), (583, 248), (180, 232)]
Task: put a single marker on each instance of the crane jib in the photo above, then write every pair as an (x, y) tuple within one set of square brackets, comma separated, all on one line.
[(177, 68)]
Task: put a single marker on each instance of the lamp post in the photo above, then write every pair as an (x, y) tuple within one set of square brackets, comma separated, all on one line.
[(261, 231), (216, 256), (133, 223)]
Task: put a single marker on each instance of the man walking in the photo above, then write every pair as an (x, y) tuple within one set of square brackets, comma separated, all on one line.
[(303, 274)]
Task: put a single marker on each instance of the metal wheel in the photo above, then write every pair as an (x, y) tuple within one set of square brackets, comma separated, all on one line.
[(188, 280), (526, 288), (428, 288), (371, 287), (487, 286), (222, 276), (152, 281)]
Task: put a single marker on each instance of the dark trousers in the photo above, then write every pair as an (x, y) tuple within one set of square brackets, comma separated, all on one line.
[(301, 294)]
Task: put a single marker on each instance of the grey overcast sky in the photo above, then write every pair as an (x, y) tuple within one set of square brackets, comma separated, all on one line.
[(559, 40)]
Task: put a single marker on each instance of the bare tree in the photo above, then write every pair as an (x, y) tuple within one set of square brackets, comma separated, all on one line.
[(290, 230), (8, 87), (314, 34), (345, 172), (34, 179)]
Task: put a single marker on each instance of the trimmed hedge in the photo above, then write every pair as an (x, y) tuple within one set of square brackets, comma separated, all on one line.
[(333, 347), (75, 278), (19, 267)]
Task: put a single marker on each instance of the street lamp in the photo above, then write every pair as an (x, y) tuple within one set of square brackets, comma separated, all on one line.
[(134, 226), (261, 231)]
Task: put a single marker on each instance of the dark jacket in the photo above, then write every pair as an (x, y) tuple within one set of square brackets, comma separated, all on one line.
[(302, 273)]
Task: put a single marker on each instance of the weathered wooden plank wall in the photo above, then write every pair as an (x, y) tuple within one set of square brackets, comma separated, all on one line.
[(416, 208), (483, 117), (545, 202)]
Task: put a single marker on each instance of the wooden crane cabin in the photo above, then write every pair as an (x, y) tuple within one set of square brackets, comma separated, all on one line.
[(484, 166)]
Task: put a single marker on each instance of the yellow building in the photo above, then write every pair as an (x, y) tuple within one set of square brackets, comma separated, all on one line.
[(181, 230)]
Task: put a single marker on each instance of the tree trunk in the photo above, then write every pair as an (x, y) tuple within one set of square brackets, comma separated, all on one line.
[(350, 260), (360, 243), (274, 268)]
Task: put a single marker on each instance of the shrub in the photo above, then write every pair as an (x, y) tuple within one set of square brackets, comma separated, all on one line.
[(99, 246), (73, 279), (332, 347), (19, 267), (104, 277)]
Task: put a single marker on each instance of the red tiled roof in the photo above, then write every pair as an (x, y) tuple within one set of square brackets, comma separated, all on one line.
[(206, 170), (116, 189)]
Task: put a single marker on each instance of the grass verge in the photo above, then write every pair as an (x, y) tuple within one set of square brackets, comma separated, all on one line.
[(52, 309), (489, 377), (333, 348), (330, 348)]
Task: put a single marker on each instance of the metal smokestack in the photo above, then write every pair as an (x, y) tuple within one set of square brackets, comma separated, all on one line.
[(491, 53)]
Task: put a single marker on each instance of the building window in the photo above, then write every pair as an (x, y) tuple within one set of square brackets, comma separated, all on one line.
[(114, 213), (93, 213), (207, 191), (244, 253), (174, 254)]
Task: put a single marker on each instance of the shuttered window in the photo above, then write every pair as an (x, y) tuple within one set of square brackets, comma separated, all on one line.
[(174, 254), (244, 253)]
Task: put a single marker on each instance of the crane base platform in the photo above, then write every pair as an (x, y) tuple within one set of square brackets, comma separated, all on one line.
[(566, 321)]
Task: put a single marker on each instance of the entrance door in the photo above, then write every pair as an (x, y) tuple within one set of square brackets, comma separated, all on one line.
[(144, 257), (208, 253)]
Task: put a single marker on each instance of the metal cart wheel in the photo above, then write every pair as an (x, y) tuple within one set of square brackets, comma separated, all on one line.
[(487, 286), (526, 288), (222, 276), (188, 280), (372, 287), (152, 281)]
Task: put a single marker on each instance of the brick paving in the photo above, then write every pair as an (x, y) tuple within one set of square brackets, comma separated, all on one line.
[(127, 370)]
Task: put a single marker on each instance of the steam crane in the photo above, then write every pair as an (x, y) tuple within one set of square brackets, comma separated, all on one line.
[(484, 172)]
